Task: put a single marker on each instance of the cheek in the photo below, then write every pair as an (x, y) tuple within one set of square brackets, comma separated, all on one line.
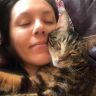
[(20, 44), (17, 33), (17, 38), (19, 41), (51, 28)]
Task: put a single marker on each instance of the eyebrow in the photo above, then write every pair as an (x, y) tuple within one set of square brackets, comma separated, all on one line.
[(47, 12), (27, 14), (23, 14)]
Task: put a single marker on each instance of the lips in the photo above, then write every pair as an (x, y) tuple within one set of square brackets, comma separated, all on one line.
[(39, 45)]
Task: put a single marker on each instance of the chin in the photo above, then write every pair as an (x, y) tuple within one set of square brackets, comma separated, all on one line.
[(42, 59)]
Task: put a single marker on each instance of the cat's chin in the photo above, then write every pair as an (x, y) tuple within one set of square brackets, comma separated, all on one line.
[(56, 64), (61, 64)]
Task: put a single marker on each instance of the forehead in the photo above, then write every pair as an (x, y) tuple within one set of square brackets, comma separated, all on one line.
[(31, 6)]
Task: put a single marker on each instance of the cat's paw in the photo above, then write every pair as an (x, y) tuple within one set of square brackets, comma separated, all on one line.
[(9, 82), (49, 92)]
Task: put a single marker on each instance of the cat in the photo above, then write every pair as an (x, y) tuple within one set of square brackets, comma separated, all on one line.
[(72, 72)]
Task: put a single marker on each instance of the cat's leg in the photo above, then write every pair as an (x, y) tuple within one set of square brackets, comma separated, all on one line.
[(9, 82)]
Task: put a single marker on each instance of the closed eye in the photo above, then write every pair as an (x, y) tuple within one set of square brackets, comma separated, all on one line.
[(73, 53), (49, 22), (24, 24), (58, 45)]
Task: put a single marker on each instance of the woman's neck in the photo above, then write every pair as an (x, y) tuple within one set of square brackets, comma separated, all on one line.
[(31, 69)]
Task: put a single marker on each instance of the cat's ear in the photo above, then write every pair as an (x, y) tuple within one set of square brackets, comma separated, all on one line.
[(63, 21)]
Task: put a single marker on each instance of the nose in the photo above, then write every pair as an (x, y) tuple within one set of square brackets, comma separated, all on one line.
[(38, 28)]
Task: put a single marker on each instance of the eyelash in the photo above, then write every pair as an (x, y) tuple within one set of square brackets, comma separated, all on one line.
[(25, 24), (49, 22)]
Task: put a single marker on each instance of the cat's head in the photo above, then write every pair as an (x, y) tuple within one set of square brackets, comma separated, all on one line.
[(64, 44)]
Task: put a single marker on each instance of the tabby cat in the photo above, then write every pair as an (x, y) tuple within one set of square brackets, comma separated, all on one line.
[(72, 72)]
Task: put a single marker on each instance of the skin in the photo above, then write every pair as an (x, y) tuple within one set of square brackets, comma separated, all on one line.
[(31, 22)]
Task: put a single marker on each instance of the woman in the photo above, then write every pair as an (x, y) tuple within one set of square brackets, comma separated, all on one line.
[(25, 25)]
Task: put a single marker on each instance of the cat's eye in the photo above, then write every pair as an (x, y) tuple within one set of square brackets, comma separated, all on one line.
[(51, 43), (73, 53), (63, 39)]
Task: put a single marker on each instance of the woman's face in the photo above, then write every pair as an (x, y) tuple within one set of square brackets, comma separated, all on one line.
[(31, 22)]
